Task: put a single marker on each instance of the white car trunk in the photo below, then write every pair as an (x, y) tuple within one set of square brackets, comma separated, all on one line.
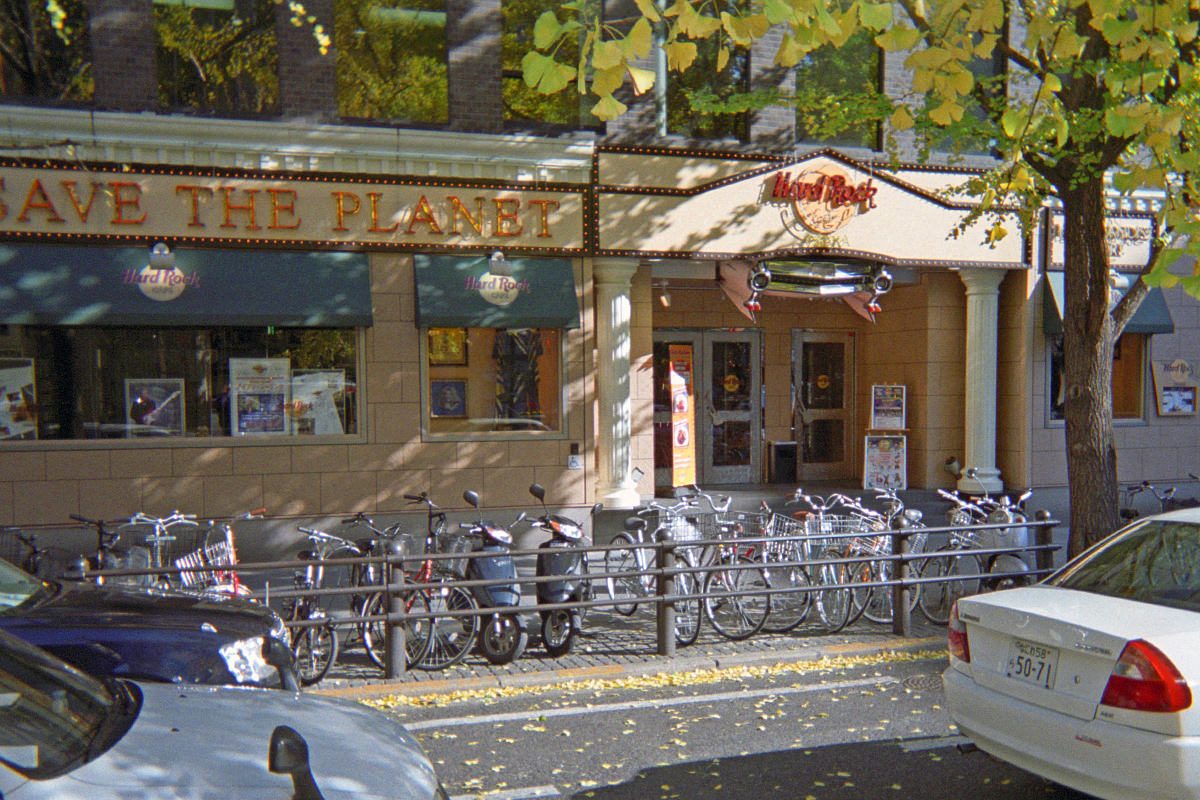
[(1057, 647)]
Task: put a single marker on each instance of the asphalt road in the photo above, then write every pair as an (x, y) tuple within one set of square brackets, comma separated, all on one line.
[(863, 727)]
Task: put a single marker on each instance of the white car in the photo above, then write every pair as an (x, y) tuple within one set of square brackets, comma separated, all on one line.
[(1089, 678), (66, 735)]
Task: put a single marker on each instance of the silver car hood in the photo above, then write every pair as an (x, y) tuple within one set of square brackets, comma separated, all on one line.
[(210, 743)]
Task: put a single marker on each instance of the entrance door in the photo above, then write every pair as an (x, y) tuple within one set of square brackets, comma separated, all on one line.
[(726, 391), (822, 403)]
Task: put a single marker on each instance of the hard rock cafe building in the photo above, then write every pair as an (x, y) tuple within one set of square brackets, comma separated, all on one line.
[(319, 330)]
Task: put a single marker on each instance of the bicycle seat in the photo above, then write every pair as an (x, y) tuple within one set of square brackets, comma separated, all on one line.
[(634, 523)]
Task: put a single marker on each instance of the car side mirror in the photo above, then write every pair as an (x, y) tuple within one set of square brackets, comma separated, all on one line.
[(288, 755)]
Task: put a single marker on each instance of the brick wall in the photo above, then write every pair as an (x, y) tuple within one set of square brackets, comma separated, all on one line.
[(307, 79), (123, 61), (473, 52)]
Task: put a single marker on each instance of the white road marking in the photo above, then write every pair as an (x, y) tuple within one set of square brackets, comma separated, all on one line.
[(519, 716)]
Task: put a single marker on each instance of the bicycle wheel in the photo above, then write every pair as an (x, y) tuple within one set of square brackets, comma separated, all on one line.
[(833, 602), (861, 596), (789, 604), (623, 587), (451, 638), (315, 648), (687, 612), (416, 631), (742, 614), (938, 595)]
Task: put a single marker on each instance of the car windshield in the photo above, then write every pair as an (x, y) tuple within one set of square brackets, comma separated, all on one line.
[(1155, 561), (16, 586), (51, 715)]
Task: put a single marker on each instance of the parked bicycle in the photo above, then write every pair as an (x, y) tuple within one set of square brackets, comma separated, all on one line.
[(454, 624), (218, 554), (822, 530), (629, 566), (164, 531), (737, 600), (108, 556), (22, 549), (315, 642)]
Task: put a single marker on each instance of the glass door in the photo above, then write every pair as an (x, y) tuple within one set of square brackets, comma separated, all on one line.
[(822, 403), (726, 398)]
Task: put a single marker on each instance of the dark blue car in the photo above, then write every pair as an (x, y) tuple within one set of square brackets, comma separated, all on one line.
[(147, 634)]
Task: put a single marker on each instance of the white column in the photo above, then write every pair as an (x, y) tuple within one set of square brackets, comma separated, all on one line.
[(615, 485), (979, 420)]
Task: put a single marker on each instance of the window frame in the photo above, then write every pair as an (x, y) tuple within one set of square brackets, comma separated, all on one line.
[(492, 436), (360, 436), (1051, 421)]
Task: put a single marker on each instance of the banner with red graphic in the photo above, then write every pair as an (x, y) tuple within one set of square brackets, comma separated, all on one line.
[(683, 416)]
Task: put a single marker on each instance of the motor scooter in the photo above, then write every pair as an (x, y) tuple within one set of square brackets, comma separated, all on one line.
[(562, 557), (503, 636)]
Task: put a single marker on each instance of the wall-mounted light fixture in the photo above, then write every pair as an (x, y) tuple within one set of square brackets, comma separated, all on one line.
[(499, 265), (952, 466), (161, 256), (664, 296)]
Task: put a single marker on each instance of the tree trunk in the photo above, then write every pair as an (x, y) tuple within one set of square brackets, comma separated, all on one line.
[(1087, 368)]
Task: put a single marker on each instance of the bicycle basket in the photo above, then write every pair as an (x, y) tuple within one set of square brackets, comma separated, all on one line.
[(452, 543), (780, 529), (11, 548)]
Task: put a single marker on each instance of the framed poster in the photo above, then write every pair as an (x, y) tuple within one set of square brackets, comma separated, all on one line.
[(318, 402), (18, 399), (447, 347), (1176, 388), (888, 407), (154, 407), (260, 395), (448, 398), (885, 462)]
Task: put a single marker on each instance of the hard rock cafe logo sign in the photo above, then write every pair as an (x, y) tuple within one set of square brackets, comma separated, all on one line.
[(822, 198)]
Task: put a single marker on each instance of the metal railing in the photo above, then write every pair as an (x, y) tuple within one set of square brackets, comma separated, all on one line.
[(396, 584)]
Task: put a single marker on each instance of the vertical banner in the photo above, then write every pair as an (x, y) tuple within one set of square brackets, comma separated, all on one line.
[(683, 416)]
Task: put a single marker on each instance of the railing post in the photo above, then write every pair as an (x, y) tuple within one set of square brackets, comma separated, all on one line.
[(1044, 536), (901, 619), (665, 560), (397, 662)]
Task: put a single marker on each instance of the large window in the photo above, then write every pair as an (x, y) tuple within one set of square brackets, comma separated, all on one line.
[(391, 59), (43, 56), (1128, 378), (824, 79), (493, 380), (220, 56), (61, 382), (526, 106), (703, 75)]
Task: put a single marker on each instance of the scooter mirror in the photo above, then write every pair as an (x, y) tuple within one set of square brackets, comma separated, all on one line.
[(596, 509), (538, 491), (472, 498)]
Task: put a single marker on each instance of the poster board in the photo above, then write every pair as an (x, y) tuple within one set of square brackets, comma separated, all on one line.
[(1175, 388), (18, 399), (889, 407), (154, 407), (260, 394), (885, 462), (683, 416), (318, 402)]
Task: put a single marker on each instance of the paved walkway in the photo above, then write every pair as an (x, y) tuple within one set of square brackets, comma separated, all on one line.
[(615, 647)]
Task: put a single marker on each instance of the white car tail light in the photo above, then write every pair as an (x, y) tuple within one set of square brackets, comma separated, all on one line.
[(960, 648), (1145, 680)]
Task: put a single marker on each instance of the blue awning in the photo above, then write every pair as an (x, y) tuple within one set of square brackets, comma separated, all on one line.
[(53, 285), (464, 292), (1152, 315)]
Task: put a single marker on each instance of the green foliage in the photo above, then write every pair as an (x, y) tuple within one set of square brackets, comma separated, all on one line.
[(391, 59), (44, 50), (218, 60)]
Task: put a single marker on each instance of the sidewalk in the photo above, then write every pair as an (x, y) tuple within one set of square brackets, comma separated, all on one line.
[(615, 647)]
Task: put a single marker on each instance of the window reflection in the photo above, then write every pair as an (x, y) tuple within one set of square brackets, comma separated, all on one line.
[(220, 56), (391, 59)]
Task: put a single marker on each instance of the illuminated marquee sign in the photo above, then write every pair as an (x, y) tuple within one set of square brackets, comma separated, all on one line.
[(78, 203), (822, 198)]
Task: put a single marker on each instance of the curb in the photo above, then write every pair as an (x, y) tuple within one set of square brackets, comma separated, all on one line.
[(627, 670)]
